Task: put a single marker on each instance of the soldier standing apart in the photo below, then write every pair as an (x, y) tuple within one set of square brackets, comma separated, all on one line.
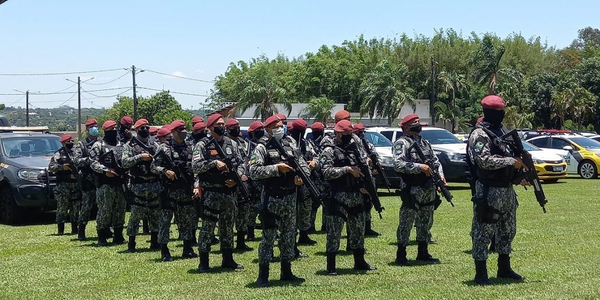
[(495, 203), (418, 191), (145, 186), (255, 132), (278, 197), (67, 190), (243, 205), (105, 157), (88, 176), (175, 162), (220, 192), (340, 169)]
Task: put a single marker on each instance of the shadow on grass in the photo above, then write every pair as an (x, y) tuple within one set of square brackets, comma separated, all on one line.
[(496, 281), (410, 243), (345, 271), (275, 283), (213, 270), (339, 253), (175, 258), (139, 250)]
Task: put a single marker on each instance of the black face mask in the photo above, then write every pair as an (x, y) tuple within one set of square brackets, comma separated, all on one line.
[(493, 116), (317, 134), (234, 132), (258, 134), (199, 135), (219, 130), (182, 135), (111, 137), (296, 134), (144, 133), (346, 139), (360, 134), (69, 146), (416, 128)]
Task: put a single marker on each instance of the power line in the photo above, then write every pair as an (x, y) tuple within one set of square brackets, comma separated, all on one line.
[(16, 101), (109, 96), (177, 76), (125, 74), (172, 92), (90, 102), (66, 100), (60, 73)]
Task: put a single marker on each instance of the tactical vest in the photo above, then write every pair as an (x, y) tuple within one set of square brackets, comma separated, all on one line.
[(183, 160), (109, 160), (85, 146), (347, 182), (419, 179), (285, 181), (142, 168), (501, 177), (214, 176), (62, 175)]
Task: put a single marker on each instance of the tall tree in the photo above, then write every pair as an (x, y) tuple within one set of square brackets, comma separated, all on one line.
[(319, 109), (486, 63)]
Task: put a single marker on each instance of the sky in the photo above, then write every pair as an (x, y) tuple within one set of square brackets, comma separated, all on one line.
[(198, 39)]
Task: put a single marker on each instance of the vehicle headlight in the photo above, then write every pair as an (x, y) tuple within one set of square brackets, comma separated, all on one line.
[(538, 161), (30, 174), (455, 156), (387, 161)]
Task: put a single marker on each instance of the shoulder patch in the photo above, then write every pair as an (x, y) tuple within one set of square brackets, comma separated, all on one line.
[(479, 144)]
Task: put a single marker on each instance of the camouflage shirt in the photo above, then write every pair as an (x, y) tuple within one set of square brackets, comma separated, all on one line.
[(409, 162)]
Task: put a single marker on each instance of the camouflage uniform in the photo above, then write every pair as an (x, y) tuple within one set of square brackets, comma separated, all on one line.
[(89, 181), (145, 187), (67, 191), (110, 197), (256, 188), (219, 201), (177, 196), (305, 201), (321, 184), (369, 208), (242, 219), (418, 194)]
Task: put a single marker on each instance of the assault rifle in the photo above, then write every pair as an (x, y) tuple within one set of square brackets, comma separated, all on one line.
[(72, 167), (514, 142), (292, 161), (368, 180), (171, 165), (435, 177), (373, 156), (144, 146), (233, 174)]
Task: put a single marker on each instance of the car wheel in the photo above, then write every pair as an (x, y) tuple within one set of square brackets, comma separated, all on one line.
[(10, 212), (550, 180), (587, 169)]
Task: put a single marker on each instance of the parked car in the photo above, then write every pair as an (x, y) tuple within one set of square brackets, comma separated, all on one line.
[(550, 167), (582, 154)]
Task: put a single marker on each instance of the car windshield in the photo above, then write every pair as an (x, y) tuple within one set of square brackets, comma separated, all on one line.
[(585, 142), (529, 147), (440, 136), (377, 139), (43, 145)]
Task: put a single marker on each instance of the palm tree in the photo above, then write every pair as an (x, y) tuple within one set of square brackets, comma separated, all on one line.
[(385, 91), (318, 108), (453, 83), (583, 107), (562, 102), (486, 63), (447, 114)]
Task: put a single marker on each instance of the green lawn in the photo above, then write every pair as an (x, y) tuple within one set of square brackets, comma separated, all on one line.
[(557, 252)]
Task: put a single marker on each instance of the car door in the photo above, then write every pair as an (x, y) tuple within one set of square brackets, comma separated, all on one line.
[(558, 144), (389, 134)]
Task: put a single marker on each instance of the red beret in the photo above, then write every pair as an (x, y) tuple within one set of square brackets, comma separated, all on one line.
[(408, 118), (317, 126), (231, 122), (197, 119), (108, 124), (281, 116), (255, 126), (126, 121), (139, 123), (272, 120), (176, 124), (91, 122), (199, 126), (299, 124), (359, 126), (289, 126), (153, 130), (65, 137), (341, 115), (492, 102), (343, 126), (164, 131), (212, 119)]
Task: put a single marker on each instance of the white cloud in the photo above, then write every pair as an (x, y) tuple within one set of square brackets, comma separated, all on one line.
[(176, 73), (200, 71)]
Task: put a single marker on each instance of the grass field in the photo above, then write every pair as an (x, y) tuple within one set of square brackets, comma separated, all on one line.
[(557, 252)]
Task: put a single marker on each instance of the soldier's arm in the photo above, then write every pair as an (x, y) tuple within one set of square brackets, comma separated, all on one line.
[(239, 159), (54, 166), (436, 162), (299, 157), (95, 158), (199, 163), (480, 152), (401, 162), (156, 167), (330, 172), (78, 158), (258, 170), (128, 159)]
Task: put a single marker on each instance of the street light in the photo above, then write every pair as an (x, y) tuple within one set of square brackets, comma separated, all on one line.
[(79, 102)]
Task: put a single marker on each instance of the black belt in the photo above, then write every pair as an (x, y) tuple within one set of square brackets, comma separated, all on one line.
[(279, 192)]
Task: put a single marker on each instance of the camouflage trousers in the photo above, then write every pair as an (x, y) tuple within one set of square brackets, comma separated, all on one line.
[(304, 208), (88, 198), (348, 206), (111, 207), (278, 215), (242, 217), (423, 215), (146, 204), (182, 206), (68, 201), (221, 208), (256, 190), (504, 200)]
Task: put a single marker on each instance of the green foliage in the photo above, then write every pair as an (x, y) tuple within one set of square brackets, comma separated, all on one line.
[(319, 109)]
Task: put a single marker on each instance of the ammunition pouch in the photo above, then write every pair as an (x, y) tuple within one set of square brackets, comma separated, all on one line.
[(486, 214)]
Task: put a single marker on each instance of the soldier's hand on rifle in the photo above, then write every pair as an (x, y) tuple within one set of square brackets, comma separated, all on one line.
[(244, 178), (355, 171), (284, 168), (525, 182), (171, 175), (146, 156), (426, 169), (519, 163), (298, 180), (221, 166), (111, 173), (312, 164), (374, 172), (229, 183), (197, 193), (66, 167), (363, 191)]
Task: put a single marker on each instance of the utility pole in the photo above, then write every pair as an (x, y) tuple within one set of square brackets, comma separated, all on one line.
[(433, 93), (135, 102), (27, 108), (78, 108)]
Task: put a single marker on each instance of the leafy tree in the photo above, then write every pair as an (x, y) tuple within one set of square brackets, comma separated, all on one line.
[(318, 108)]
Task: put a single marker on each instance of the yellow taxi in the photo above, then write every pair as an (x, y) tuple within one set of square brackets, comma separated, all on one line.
[(550, 166)]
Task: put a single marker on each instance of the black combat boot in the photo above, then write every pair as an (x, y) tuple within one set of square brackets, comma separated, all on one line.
[(481, 274), (203, 267), (228, 261), (304, 239), (118, 236), (154, 245), (73, 228), (401, 256), (165, 254), (102, 237), (423, 253), (369, 230), (61, 228), (286, 272), (331, 270), (359, 260), (251, 235), (298, 253), (263, 275), (214, 240), (188, 251), (241, 242), (504, 269), (81, 232), (131, 244), (145, 228)]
